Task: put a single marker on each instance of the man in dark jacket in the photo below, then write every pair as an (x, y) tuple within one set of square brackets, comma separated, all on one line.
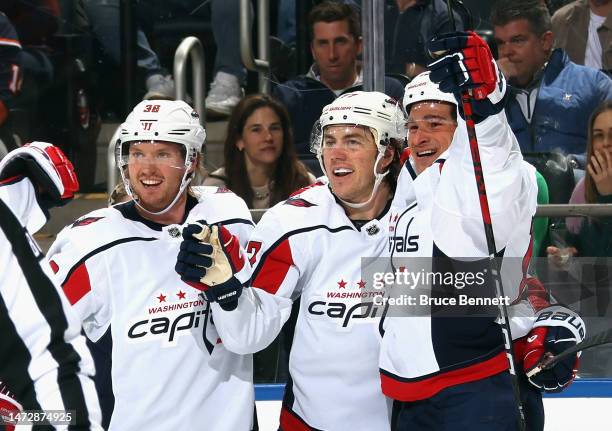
[(552, 97), (335, 45)]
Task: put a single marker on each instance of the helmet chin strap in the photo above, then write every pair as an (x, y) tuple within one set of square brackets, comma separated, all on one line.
[(165, 210), (184, 183), (377, 181)]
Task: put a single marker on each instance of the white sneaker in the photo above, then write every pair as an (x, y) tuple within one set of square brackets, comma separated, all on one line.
[(225, 93), (160, 87)]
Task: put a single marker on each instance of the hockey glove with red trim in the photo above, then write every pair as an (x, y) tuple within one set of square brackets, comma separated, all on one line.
[(467, 64), (208, 259), (556, 329), (47, 167), (8, 407)]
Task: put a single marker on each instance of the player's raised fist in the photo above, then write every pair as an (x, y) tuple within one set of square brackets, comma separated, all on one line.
[(466, 64)]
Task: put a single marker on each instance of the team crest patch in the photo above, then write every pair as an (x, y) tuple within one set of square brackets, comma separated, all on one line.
[(372, 230), (86, 221), (299, 202), (174, 232), (223, 190)]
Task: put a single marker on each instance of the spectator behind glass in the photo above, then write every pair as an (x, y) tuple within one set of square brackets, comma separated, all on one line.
[(590, 239), (596, 186), (335, 33), (260, 162), (552, 97), (103, 16), (583, 29), (409, 25)]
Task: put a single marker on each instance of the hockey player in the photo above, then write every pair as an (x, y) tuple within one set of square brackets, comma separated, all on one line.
[(170, 369), (448, 372), (432, 123), (44, 362), (310, 246)]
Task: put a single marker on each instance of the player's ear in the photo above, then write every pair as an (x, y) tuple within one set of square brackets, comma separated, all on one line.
[(386, 160)]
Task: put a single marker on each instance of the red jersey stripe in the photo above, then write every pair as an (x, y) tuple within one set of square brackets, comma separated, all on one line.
[(78, 285), (274, 268), (428, 387)]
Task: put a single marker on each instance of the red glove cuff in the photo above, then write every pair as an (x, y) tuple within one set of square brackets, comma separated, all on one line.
[(534, 348), (479, 62), (231, 246)]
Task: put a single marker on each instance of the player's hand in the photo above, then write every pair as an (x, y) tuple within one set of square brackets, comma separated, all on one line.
[(48, 169), (600, 169), (556, 329), (468, 65), (208, 259)]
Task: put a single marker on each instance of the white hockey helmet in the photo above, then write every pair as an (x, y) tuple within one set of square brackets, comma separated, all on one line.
[(422, 89), (152, 121), (382, 114)]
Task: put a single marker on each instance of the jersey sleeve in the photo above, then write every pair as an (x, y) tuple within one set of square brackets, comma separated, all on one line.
[(457, 217), (533, 298), (18, 193), (265, 304), (83, 276), (45, 361)]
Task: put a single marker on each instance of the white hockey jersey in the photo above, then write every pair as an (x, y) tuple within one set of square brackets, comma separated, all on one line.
[(170, 369), (43, 357), (307, 247), (437, 214)]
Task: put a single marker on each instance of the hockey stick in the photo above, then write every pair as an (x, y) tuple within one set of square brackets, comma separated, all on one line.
[(488, 228), (604, 337)]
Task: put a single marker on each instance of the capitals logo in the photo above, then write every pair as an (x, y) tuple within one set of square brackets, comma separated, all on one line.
[(402, 242), (299, 202), (348, 302), (86, 221), (167, 321)]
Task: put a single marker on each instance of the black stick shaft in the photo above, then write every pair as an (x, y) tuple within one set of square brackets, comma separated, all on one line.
[(603, 337), (488, 228), (494, 263)]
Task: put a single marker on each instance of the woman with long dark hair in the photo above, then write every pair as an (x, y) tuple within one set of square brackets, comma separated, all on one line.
[(590, 239), (261, 165)]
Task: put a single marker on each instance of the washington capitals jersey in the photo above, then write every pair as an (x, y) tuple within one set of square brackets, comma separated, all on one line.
[(44, 360), (437, 215), (170, 368), (307, 247)]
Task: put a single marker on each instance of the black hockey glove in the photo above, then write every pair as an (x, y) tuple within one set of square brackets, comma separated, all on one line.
[(467, 64), (208, 259), (556, 329), (48, 169)]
